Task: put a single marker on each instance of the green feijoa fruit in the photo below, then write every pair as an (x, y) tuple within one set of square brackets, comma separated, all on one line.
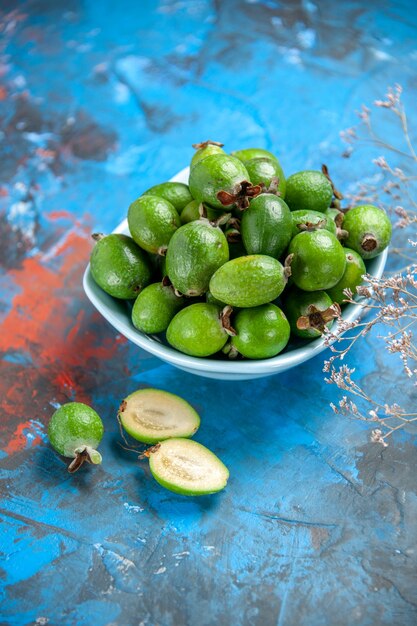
[(152, 222), (352, 276), (193, 212), (218, 174), (155, 307), (261, 332), (75, 431), (177, 194), (266, 226), (152, 415), (188, 468), (267, 172), (311, 220), (195, 252), (248, 154), (248, 281), (309, 312), (308, 190), (119, 266), (212, 300), (318, 260), (369, 230), (197, 330), (205, 149), (334, 214)]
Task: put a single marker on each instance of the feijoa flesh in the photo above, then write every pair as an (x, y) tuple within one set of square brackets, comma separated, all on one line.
[(152, 415), (187, 467)]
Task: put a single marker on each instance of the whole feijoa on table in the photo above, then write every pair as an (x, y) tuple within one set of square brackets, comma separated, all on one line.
[(75, 431), (232, 263)]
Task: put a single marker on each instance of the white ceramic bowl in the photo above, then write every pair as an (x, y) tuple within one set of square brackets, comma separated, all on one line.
[(117, 314)]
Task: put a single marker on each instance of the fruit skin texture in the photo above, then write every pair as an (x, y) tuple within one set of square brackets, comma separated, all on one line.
[(195, 252), (308, 190), (119, 266), (296, 305), (178, 194), (248, 281), (152, 222), (352, 276), (197, 330), (203, 153), (253, 153), (262, 170), (191, 212), (74, 425), (364, 221), (312, 217), (161, 399), (155, 307), (262, 332), (266, 226), (319, 260), (218, 172), (182, 490)]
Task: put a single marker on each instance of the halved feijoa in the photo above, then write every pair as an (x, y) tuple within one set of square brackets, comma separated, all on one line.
[(152, 415), (187, 467)]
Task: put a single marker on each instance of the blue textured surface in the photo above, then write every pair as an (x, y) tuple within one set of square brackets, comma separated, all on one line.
[(100, 101)]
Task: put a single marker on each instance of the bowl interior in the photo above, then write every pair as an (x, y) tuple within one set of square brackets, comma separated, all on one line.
[(117, 313)]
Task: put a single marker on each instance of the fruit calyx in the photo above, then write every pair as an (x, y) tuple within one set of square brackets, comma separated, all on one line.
[(369, 242), (241, 196), (204, 144), (84, 454), (287, 266), (147, 453), (336, 193), (97, 236), (316, 319), (310, 226), (230, 351), (225, 321), (341, 233), (273, 186)]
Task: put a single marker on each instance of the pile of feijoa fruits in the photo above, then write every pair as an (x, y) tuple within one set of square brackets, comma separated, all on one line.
[(240, 258)]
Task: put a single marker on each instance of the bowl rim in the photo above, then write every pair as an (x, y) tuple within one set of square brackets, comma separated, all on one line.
[(152, 345)]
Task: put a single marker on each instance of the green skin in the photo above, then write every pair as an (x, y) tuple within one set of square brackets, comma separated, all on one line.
[(248, 154), (195, 252), (312, 217), (144, 437), (366, 221), (152, 222), (197, 330), (218, 172), (203, 153), (120, 267), (191, 213), (308, 190), (352, 276), (262, 332), (248, 281), (155, 307), (296, 305), (262, 170), (319, 260), (332, 213), (181, 490), (266, 226), (212, 300), (73, 426), (177, 194)]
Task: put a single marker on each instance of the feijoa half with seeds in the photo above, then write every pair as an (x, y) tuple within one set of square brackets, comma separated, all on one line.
[(187, 467), (152, 415)]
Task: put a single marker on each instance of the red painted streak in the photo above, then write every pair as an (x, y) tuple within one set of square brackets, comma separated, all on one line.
[(64, 341)]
